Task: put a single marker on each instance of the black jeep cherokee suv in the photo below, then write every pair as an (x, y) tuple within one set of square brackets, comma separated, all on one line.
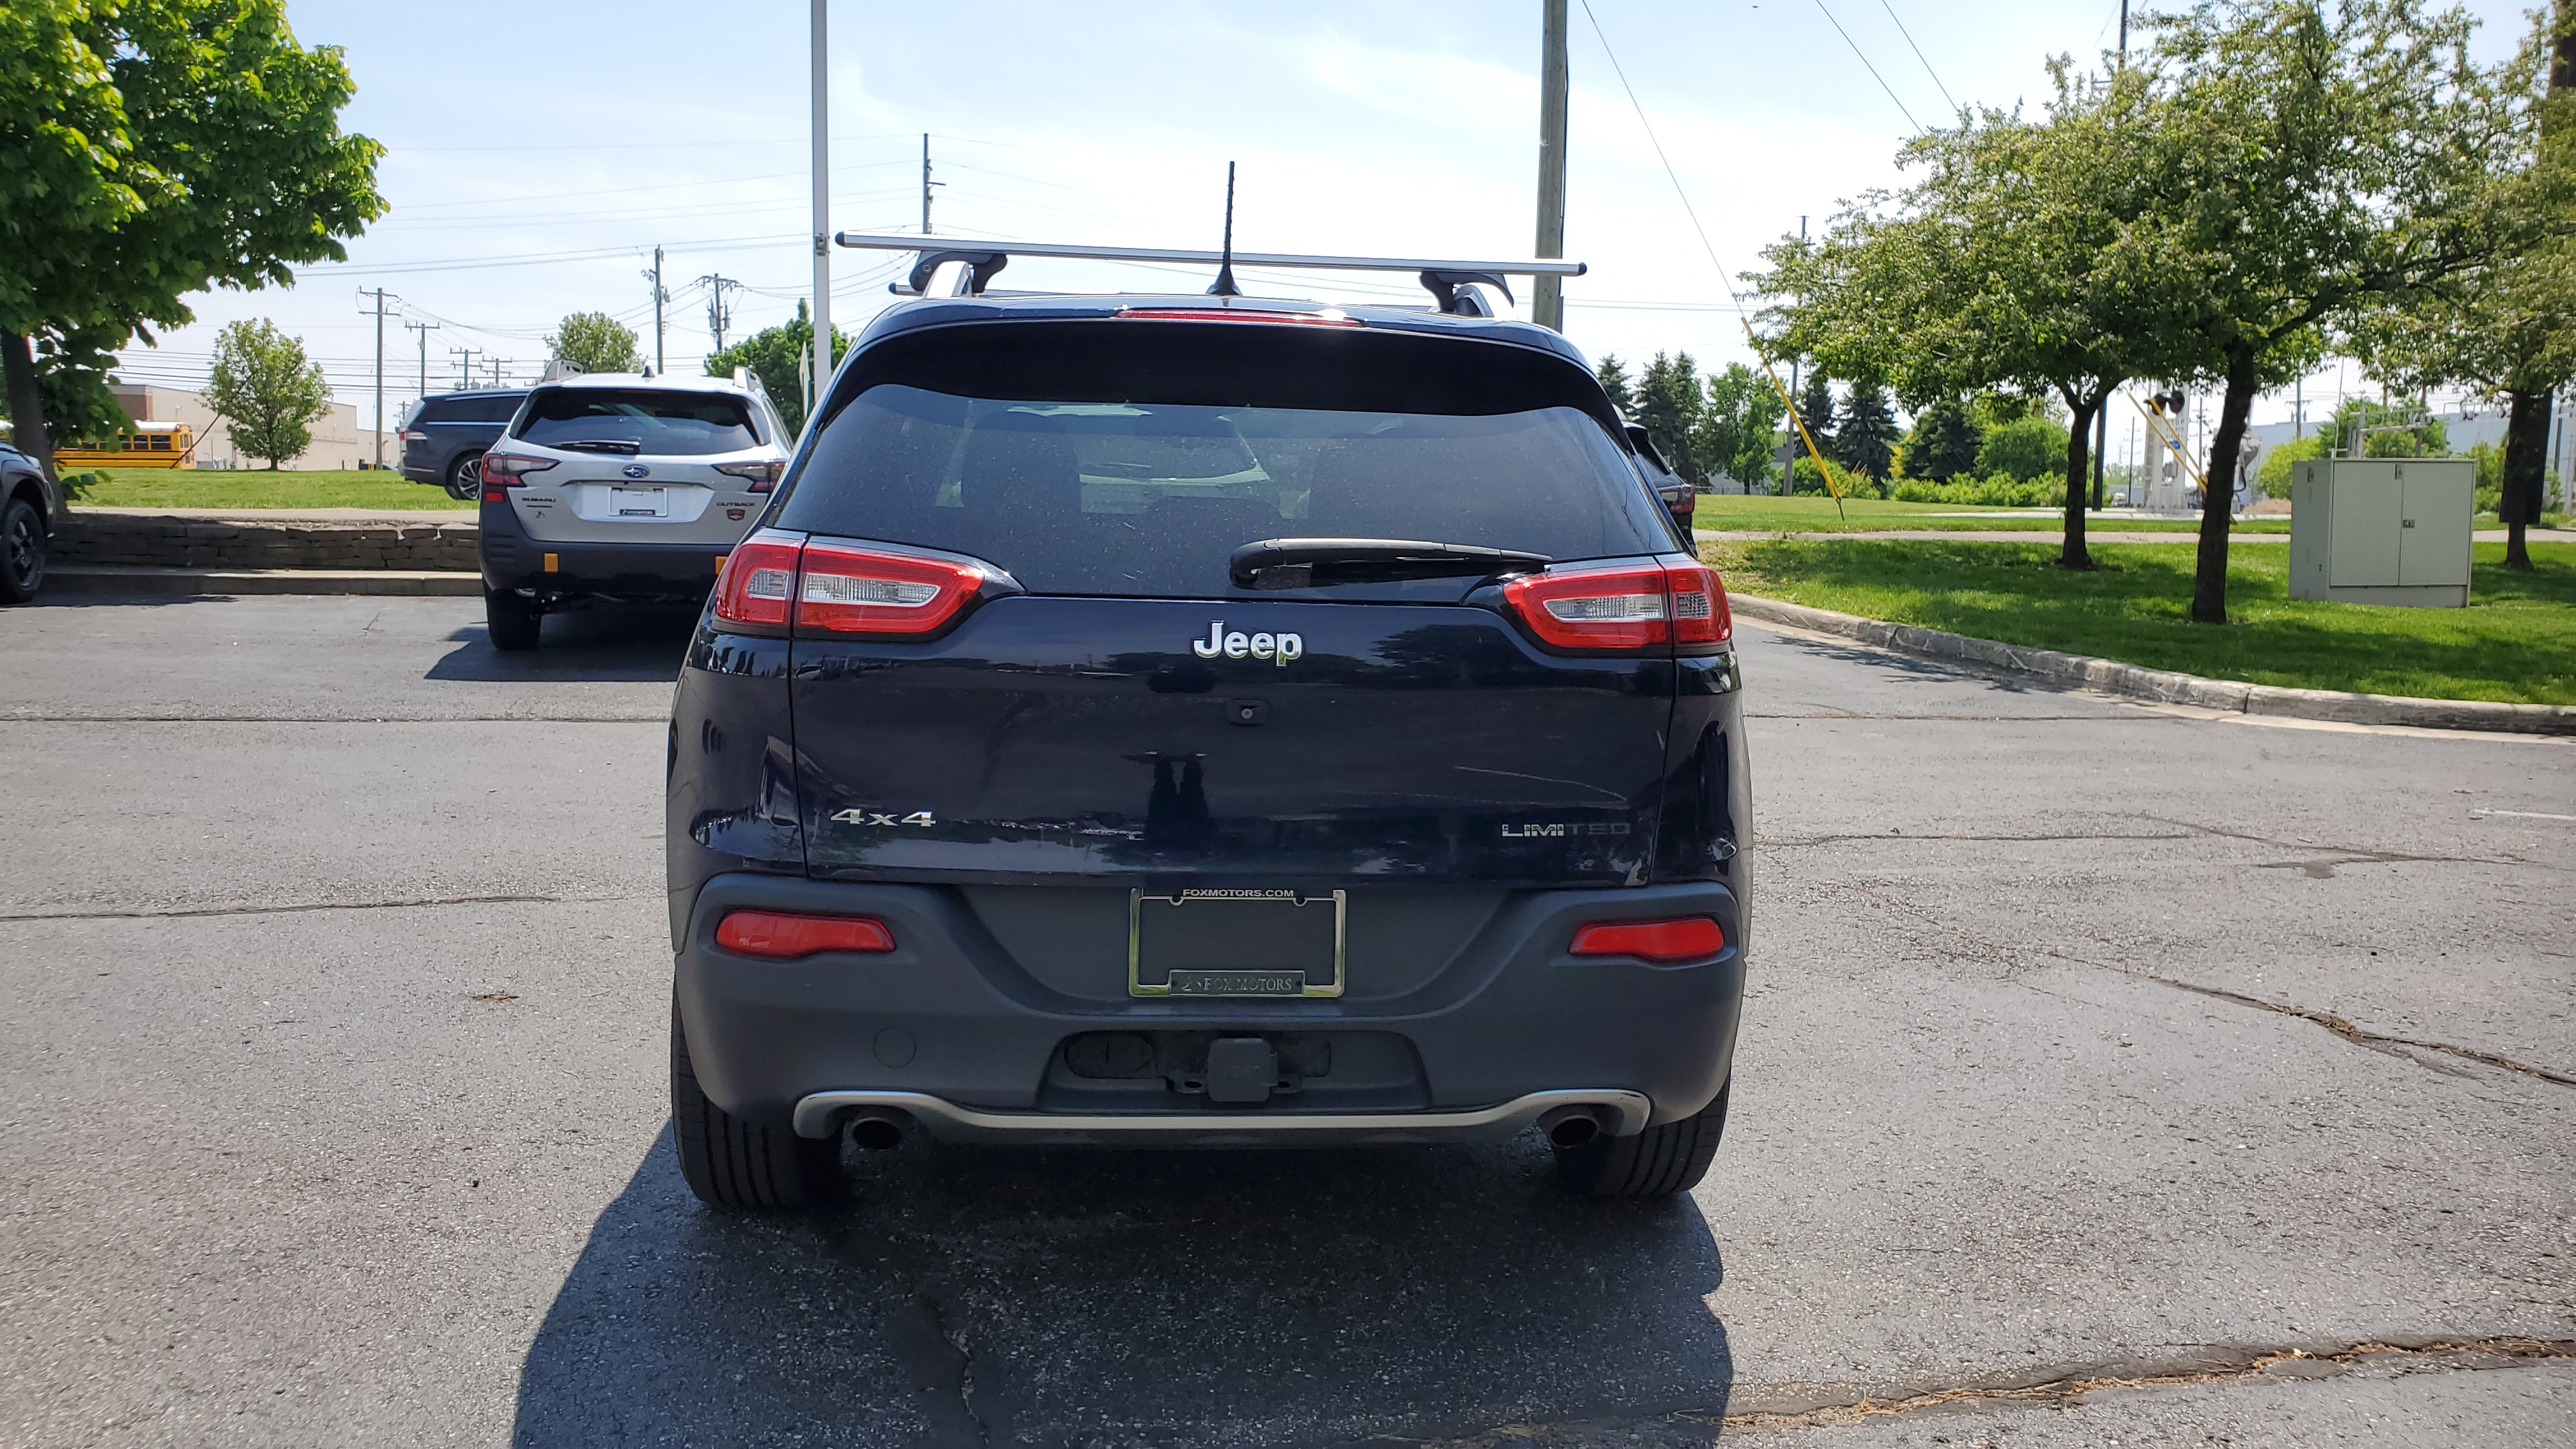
[(1206, 721)]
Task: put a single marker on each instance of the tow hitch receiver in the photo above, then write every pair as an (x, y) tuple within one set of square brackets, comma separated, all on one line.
[(1241, 1069)]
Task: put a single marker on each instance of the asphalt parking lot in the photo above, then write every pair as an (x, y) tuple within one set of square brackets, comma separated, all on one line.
[(2090, 1044)]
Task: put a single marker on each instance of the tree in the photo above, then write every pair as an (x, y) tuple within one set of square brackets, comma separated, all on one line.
[(2383, 430), (2508, 327), (1816, 411), (2025, 448), (2313, 166), (76, 400), (1614, 381), (774, 355), (1668, 405), (1865, 437), (2013, 262), (148, 150), (1943, 443), (1739, 426), (597, 342), (266, 391)]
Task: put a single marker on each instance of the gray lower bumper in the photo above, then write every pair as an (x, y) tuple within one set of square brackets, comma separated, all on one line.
[(819, 1115)]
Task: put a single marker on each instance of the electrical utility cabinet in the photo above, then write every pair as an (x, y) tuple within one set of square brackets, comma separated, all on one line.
[(2383, 530)]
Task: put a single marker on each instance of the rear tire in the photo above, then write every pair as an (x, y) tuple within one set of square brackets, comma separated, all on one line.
[(22, 551), (513, 620), (730, 1163), (1657, 1162), (465, 476)]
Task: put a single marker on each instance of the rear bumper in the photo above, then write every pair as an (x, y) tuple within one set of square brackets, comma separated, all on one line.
[(512, 560), (948, 1028)]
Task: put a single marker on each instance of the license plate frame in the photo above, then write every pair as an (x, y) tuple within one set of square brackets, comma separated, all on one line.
[(1291, 976), (657, 501)]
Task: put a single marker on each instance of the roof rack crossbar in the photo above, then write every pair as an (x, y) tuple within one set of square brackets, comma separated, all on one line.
[(985, 258)]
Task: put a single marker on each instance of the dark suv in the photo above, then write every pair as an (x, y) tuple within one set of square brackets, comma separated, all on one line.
[(1206, 722), (444, 436)]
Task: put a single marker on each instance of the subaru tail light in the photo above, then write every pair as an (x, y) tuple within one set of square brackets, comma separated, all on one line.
[(1688, 938), (509, 470), (782, 936), (757, 477), (1623, 608)]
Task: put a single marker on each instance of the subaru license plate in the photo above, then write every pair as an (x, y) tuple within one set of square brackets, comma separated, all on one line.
[(1235, 943)]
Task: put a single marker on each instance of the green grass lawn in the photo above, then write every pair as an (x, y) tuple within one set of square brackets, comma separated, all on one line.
[(246, 488), (1724, 511), (2516, 642)]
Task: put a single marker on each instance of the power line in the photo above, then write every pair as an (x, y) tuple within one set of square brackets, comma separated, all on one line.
[(1918, 54), (1710, 247), (1847, 40)]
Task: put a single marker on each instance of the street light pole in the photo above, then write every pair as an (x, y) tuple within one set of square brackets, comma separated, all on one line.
[(822, 207), (1547, 294)]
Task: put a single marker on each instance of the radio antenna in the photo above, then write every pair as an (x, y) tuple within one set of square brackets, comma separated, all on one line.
[(1224, 286)]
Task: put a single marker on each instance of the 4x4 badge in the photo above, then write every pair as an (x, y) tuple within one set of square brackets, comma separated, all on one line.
[(881, 817), (1277, 648)]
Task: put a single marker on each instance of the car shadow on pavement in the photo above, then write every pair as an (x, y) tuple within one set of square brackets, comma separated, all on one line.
[(634, 644), (1057, 1296)]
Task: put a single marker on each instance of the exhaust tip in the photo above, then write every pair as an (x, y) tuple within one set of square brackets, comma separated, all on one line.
[(1570, 1127), (877, 1130)]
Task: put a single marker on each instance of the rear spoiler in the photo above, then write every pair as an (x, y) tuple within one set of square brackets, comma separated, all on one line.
[(980, 261)]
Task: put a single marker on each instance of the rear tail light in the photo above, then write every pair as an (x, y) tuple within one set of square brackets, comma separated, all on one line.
[(773, 580), (758, 580), (781, 936), (509, 470), (1623, 607), (415, 437), (1688, 938), (758, 477), (859, 591)]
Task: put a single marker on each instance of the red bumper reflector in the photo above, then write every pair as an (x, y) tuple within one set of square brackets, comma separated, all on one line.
[(782, 936), (1686, 939)]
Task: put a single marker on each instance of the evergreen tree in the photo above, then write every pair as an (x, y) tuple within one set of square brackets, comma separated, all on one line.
[(1943, 443), (1865, 440), (1669, 404), (1614, 381), (1816, 410)]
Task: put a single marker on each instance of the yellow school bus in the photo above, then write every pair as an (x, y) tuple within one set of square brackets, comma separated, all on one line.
[(149, 445)]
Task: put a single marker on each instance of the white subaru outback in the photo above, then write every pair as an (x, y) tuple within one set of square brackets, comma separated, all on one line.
[(623, 487)]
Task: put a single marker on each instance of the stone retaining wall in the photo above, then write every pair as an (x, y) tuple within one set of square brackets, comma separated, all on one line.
[(151, 541)]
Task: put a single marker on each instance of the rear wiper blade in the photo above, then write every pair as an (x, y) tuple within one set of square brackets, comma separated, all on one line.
[(601, 445), (1310, 563)]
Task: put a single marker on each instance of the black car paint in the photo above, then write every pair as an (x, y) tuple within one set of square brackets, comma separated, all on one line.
[(1069, 750)]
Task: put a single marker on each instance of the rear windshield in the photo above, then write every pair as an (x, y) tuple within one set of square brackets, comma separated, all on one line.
[(1150, 499), (667, 423)]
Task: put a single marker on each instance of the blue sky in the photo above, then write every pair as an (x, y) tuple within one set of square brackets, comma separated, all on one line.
[(537, 153)]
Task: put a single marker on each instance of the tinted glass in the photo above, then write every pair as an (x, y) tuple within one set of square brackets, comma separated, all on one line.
[(498, 409), (1150, 499), (442, 410), (664, 423)]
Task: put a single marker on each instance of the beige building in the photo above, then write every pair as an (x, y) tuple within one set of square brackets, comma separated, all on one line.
[(338, 441)]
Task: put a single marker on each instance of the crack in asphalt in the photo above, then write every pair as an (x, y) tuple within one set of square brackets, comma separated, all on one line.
[(1899, 837), (2341, 1026), (2340, 854), (2057, 1386), (393, 905)]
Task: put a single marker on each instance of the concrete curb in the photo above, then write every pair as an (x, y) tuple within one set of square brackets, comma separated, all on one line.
[(108, 579), (2163, 686)]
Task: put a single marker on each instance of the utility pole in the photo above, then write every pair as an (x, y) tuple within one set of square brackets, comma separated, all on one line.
[(719, 316), (659, 297), (822, 206), (380, 377), (1793, 362), (1547, 294), (464, 365), (926, 183), (424, 329)]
